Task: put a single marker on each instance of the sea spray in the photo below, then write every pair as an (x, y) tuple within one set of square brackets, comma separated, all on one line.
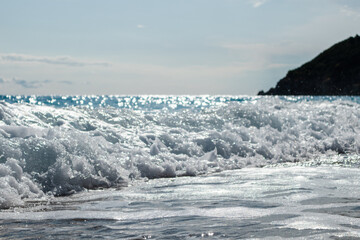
[(67, 144)]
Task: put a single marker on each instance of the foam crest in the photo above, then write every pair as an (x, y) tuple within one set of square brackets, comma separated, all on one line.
[(51, 150)]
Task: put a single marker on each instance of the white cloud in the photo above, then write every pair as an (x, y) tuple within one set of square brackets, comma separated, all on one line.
[(4, 80), (59, 60), (350, 12), (24, 83), (140, 26), (264, 56), (118, 77), (269, 49), (146, 70), (257, 3)]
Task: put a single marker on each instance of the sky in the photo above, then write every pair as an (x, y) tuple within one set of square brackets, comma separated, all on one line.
[(152, 47)]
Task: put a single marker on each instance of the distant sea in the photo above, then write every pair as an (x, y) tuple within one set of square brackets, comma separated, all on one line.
[(179, 167)]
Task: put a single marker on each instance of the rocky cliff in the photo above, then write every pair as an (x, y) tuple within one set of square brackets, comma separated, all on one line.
[(336, 71)]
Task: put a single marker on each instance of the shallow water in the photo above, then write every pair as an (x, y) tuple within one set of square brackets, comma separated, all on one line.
[(281, 202)]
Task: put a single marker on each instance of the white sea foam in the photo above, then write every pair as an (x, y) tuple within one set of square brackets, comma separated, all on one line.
[(59, 151)]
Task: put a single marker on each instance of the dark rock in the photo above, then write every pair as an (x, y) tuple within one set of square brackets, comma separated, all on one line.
[(336, 71)]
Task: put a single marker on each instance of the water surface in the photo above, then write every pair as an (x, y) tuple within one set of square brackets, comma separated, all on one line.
[(181, 167)]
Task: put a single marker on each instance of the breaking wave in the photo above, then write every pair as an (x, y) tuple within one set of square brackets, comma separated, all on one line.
[(62, 145)]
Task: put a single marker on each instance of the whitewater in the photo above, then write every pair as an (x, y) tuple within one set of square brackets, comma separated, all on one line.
[(179, 167)]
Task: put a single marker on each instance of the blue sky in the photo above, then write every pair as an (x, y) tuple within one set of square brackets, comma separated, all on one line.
[(163, 46)]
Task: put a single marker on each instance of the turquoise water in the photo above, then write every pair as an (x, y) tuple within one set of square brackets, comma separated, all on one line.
[(154, 102)]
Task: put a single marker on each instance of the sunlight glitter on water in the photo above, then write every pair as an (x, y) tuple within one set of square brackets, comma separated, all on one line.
[(282, 202)]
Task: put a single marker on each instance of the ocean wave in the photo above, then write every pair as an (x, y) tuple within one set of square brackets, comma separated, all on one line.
[(50, 150)]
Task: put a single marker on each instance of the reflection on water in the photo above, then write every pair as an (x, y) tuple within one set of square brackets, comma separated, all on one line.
[(282, 202)]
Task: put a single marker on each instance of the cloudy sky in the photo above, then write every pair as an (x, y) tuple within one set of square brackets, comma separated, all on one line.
[(163, 46)]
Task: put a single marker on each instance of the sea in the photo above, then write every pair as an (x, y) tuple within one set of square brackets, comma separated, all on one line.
[(179, 167)]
